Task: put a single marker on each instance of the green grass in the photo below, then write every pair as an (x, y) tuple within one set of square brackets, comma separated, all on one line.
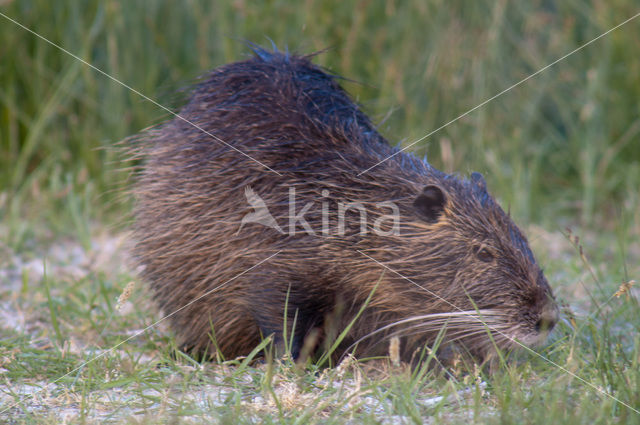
[(562, 150)]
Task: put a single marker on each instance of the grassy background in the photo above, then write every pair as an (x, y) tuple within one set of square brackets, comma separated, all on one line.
[(561, 150)]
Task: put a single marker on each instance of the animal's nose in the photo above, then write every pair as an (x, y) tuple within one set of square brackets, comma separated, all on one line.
[(548, 318)]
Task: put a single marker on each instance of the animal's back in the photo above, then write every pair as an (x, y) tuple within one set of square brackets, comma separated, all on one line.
[(283, 112)]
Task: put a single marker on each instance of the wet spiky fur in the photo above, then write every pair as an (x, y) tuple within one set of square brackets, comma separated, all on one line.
[(465, 266)]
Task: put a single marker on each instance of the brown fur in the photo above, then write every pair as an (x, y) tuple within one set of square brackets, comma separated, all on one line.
[(294, 118)]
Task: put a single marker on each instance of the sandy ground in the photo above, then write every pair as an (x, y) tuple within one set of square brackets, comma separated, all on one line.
[(69, 260)]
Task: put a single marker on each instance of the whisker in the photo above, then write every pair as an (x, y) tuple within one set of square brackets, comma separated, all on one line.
[(475, 321), (458, 326), (456, 336)]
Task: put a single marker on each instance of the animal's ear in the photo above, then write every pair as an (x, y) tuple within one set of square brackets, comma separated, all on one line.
[(479, 188), (430, 203), (478, 181)]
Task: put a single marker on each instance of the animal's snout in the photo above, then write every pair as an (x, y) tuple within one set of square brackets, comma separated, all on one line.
[(548, 317)]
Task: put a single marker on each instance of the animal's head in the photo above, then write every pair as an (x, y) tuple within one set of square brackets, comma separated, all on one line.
[(465, 260)]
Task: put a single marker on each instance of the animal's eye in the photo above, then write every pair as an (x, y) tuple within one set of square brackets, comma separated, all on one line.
[(485, 255)]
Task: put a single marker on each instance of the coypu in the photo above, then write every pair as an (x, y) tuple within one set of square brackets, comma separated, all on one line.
[(215, 194)]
